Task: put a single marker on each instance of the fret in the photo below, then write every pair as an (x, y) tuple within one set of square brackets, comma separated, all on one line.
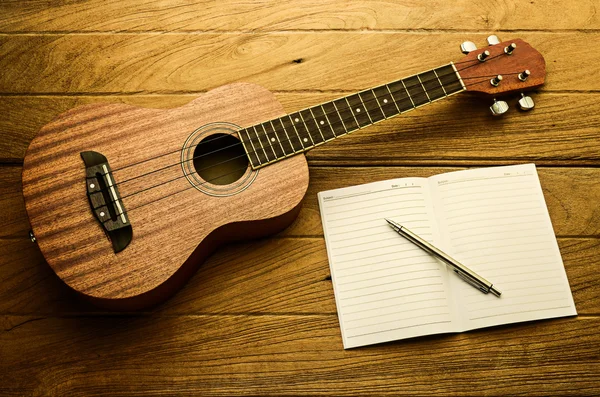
[(291, 133), (266, 144), (372, 105), (258, 149), (323, 123), (365, 108), (401, 97), (283, 138), (416, 91), (432, 85), (312, 129), (273, 140), (358, 110), (300, 130), (386, 101), (305, 129), (450, 80), (343, 108), (440, 81), (424, 89), (335, 119), (249, 146)]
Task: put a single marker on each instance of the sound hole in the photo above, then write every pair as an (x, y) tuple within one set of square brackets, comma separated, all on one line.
[(220, 159)]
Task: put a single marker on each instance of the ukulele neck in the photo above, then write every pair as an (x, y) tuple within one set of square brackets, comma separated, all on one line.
[(298, 132)]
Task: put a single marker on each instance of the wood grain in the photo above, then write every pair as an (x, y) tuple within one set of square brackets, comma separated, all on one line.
[(459, 130), (176, 63), (571, 215), (245, 278), (171, 239), (269, 15), (288, 355), (259, 317)]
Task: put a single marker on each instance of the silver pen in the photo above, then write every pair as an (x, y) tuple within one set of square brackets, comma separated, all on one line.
[(461, 270)]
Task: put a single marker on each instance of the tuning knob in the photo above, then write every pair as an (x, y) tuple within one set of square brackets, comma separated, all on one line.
[(493, 40), (509, 50), (467, 47), (499, 108), (496, 80), (526, 103), (524, 74)]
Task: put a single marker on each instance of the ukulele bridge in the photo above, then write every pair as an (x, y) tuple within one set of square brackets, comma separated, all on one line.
[(105, 201)]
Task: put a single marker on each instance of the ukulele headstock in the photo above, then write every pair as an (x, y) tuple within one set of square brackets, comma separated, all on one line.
[(502, 68)]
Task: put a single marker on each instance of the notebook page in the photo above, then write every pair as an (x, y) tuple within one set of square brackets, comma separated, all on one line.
[(495, 221), (385, 287)]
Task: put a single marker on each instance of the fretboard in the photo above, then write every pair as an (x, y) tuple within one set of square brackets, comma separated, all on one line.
[(298, 132)]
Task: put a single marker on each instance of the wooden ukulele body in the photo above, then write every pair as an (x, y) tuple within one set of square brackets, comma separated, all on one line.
[(175, 225)]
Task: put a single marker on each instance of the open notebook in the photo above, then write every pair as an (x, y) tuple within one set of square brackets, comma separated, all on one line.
[(493, 220)]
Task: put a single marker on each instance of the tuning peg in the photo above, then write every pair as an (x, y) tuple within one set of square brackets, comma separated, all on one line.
[(493, 40), (509, 50), (496, 80), (526, 103), (467, 47), (483, 56), (524, 74), (499, 108)]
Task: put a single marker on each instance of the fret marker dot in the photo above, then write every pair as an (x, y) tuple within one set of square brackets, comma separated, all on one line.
[(357, 110), (305, 139), (385, 101), (296, 119), (321, 122), (272, 139)]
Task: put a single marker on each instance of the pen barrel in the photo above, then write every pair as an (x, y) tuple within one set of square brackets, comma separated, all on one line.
[(461, 270)]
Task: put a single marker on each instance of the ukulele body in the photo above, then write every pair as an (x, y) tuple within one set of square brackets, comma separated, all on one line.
[(178, 207)]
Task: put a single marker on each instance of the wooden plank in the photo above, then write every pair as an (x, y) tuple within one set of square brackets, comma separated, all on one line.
[(572, 214), (457, 131), (289, 355), (571, 195), (269, 276), (175, 63), (268, 15)]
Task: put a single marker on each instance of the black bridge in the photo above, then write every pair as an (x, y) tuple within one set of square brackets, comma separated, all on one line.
[(105, 201)]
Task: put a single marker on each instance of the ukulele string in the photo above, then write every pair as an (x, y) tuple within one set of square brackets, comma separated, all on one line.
[(222, 162), (208, 167), (238, 143), (269, 146), (205, 182), (205, 142)]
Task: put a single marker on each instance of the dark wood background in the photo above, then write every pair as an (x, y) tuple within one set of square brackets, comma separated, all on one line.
[(259, 317)]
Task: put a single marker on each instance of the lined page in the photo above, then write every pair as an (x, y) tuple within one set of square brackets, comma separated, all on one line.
[(385, 287), (495, 221)]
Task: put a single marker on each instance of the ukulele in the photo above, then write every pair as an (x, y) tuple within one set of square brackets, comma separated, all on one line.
[(126, 202)]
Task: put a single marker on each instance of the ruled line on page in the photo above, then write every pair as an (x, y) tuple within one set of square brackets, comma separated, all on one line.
[(374, 227), (396, 313), (362, 278), (380, 262), (379, 327), (401, 328), (536, 310), (370, 309), (343, 197), (370, 286), (390, 298), (421, 214), (498, 225), (376, 274)]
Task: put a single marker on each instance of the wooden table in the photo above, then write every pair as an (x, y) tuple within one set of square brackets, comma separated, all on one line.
[(259, 317)]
